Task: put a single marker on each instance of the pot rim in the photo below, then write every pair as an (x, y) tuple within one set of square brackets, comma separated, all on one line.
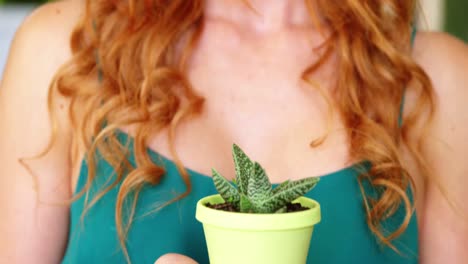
[(259, 222)]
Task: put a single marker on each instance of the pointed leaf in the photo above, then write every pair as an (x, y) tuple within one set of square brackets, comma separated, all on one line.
[(245, 205), (293, 191), (225, 189), (244, 167), (281, 187), (259, 187)]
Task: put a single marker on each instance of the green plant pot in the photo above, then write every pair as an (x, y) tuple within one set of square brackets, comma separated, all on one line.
[(234, 238)]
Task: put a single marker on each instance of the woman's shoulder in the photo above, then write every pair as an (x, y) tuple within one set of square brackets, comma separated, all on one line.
[(40, 47), (62, 14), (42, 44), (444, 58), (445, 148), (49, 28), (46, 32)]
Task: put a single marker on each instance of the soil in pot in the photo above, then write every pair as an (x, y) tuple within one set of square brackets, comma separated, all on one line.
[(290, 207)]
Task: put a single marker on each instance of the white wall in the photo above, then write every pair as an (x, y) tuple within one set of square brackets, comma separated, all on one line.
[(432, 15)]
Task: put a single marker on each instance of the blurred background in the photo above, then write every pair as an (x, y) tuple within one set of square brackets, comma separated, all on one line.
[(440, 15)]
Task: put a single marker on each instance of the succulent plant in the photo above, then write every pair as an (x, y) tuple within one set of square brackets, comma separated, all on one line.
[(252, 192)]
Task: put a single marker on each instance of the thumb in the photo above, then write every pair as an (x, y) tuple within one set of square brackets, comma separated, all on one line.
[(172, 258)]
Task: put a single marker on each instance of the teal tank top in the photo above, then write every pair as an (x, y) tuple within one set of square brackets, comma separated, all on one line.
[(341, 237)]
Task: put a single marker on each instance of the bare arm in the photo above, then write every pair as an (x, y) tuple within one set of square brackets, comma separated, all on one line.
[(443, 230), (33, 228)]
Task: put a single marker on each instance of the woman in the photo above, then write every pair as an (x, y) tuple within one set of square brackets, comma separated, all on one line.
[(150, 88)]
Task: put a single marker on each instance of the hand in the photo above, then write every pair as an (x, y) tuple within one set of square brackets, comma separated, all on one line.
[(172, 258)]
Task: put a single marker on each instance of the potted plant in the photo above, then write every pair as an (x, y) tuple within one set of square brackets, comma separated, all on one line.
[(250, 221)]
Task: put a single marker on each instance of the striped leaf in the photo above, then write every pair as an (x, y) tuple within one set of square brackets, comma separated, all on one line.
[(281, 187), (225, 189), (245, 205), (293, 191), (243, 166), (259, 187)]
